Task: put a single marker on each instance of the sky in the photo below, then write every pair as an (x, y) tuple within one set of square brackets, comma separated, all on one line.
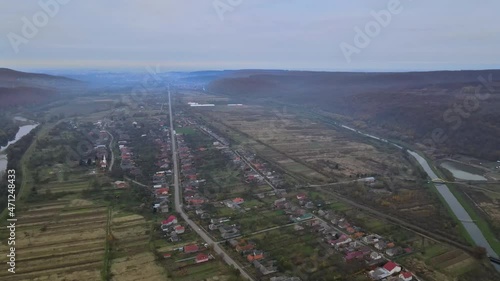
[(185, 35)]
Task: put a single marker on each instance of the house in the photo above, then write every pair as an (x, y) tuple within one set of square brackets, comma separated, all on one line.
[(195, 201), (350, 230), (244, 246), (265, 268), (174, 238), (169, 221), (164, 208), (279, 203), (238, 200), (368, 179), (353, 255), (394, 251), (370, 239), (162, 191), (255, 256), (121, 184), (193, 248), (301, 196), (309, 205), (303, 217), (380, 245), (200, 258), (343, 223), (392, 268), (179, 229), (405, 276), (375, 256), (379, 273), (343, 239), (358, 235)]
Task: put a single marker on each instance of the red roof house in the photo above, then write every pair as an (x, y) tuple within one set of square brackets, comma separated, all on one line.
[(169, 221), (301, 196), (201, 258), (257, 255), (406, 276), (238, 200), (179, 229), (191, 248), (392, 267), (162, 191)]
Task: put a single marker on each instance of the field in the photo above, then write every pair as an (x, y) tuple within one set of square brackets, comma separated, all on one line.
[(130, 254), (305, 147), (60, 240)]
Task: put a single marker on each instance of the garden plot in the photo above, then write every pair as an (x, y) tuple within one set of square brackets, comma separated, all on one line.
[(131, 255), (52, 244)]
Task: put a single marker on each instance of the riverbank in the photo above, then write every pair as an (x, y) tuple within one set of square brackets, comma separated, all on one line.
[(23, 131)]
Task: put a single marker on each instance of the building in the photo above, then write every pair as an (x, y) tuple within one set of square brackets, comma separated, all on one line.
[(392, 267), (120, 184), (255, 256), (200, 258), (191, 248), (169, 221), (238, 200), (405, 276), (179, 229)]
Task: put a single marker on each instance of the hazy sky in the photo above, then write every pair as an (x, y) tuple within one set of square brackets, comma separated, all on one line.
[(279, 34)]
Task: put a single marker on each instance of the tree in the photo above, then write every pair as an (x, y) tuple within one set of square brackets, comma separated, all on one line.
[(479, 252)]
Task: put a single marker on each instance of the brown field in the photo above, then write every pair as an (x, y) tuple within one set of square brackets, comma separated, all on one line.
[(59, 241), (300, 145), (131, 256)]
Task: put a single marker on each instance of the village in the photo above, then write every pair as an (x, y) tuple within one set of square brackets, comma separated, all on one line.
[(231, 218)]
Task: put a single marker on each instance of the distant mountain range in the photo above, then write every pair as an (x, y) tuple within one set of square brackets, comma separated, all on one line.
[(23, 88), (412, 106)]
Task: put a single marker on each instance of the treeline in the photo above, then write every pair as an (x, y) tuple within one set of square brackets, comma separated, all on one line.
[(8, 129), (14, 155)]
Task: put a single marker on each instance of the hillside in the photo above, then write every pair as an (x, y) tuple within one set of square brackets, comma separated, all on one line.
[(22, 88), (407, 106)]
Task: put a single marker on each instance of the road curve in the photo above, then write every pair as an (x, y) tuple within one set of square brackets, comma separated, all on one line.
[(178, 207)]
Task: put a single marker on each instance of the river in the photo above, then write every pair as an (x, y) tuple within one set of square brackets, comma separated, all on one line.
[(23, 131), (460, 173), (450, 199)]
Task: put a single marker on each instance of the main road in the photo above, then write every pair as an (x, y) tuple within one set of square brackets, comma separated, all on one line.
[(178, 207)]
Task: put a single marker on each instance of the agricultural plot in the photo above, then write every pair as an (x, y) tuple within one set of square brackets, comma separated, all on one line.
[(131, 258), (61, 240), (308, 147), (440, 262)]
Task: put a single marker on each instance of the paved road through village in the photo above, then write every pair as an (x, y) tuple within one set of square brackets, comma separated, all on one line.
[(178, 207)]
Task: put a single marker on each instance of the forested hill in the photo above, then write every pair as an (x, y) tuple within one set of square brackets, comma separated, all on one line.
[(409, 106), (23, 88)]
